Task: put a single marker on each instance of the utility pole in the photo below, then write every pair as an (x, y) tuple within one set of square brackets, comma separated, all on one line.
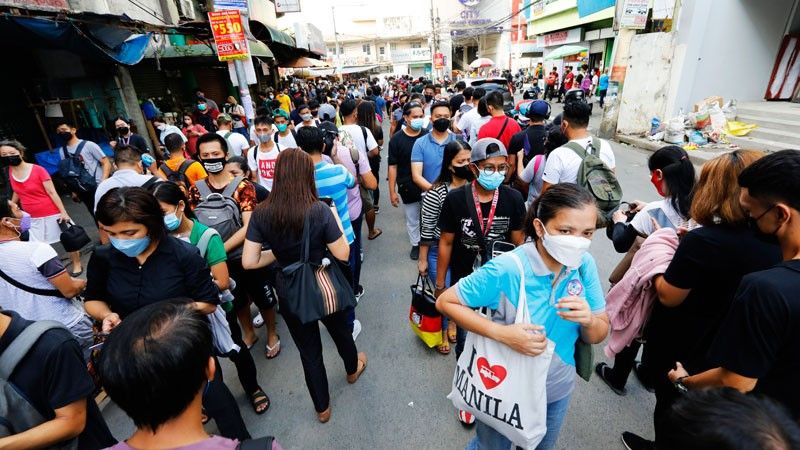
[(241, 77), (336, 38)]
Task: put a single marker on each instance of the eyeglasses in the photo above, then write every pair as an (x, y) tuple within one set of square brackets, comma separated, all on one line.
[(490, 169)]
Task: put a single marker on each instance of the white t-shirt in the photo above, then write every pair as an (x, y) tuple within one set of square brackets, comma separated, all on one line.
[(475, 128), (263, 163), (357, 135), (287, 141), (467, 120), (301, 125), (22, 262), (91, 155), (237, 143), (662, 211), (563, 163), (532, 173)]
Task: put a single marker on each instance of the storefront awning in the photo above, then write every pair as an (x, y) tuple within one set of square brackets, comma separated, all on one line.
[(357, 69), (257, 48), (304, 62), (279, 37), (564, 51), (126, 49)]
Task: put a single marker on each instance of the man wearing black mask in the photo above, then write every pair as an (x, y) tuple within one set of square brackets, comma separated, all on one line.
[(428, 151)]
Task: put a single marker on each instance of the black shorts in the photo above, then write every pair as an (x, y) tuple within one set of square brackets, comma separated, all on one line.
[(255, 285)]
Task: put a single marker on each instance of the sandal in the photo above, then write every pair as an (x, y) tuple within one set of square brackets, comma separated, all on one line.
[(274, 351), (259, 399), (375, 235), (452, 335), (362, 366), (444, 349), (324, 416)]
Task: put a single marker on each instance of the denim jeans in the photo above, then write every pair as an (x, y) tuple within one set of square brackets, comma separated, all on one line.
[(486, 438), (433, 258)]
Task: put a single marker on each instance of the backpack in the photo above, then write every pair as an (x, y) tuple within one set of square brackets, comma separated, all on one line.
[(205, 239), (16, 412), (220, 211), (347, 141), (256, 444), (294, 135), (178, 176), (596, 177), (74, 173)]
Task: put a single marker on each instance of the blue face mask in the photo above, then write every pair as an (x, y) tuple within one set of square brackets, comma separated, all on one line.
[(131, 247), (491, 182), (416, 124), (172, 222)]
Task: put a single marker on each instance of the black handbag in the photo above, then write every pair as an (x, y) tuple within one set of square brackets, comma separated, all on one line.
[(409, 192), (73, 237), (423, 317), (312, 291)]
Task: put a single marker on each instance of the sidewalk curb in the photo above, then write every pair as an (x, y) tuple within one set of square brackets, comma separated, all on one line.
[(698, 157)]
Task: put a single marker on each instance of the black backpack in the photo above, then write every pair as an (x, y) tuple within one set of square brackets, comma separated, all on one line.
[(256, 444), (178, 176), (74, 173)]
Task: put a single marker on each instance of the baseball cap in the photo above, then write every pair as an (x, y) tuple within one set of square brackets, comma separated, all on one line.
[(487, 148), (538, 108), (280, 112), (327, 112), (224, 118)]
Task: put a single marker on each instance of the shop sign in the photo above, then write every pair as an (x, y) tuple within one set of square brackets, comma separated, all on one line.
[(634, 14), (228, 35), (220, 5), (560, 38), (438, 60), (287, 6), (39, 5), (411, 54)]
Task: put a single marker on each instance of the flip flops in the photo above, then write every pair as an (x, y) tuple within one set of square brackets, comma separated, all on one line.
[(273, 349)]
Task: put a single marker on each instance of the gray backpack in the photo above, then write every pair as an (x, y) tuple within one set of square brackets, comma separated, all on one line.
[(220, 211), (16, 413)]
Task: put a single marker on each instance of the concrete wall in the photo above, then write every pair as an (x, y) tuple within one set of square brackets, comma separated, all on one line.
[(726, 48)]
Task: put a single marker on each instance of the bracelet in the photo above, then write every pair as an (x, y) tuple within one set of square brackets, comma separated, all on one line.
[(679, 386)]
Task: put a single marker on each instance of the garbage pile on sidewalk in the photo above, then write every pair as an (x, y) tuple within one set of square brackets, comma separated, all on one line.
[(707, 126)]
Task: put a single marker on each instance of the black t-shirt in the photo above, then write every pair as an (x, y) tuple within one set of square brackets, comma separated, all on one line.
[(286, 245), (456, 218), (455, 103), (174, 270), (52, 375), (536, 137), (710, 261), (261, 192), (760, 336), (400, 146)]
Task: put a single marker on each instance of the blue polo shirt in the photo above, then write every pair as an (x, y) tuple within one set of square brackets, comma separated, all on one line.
[(332, 182), (496, 286), (430, 153)]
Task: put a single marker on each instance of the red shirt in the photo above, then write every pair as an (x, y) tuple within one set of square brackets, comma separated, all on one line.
[(568, 80), (492, 129), (34, 198)]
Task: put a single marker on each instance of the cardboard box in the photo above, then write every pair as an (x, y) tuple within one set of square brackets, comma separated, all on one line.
[(708, 101)]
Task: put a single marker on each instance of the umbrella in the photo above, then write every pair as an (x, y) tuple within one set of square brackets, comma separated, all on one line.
[(481, 62), (566, 50)]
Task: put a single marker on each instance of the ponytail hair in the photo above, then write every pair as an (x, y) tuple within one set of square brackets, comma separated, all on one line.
[(679, 176), (557, 197)]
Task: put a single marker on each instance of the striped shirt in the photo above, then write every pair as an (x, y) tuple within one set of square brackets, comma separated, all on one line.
[(429, 216), (333, 181)]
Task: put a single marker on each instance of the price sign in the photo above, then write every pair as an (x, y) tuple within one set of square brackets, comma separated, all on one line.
[(228, 35)]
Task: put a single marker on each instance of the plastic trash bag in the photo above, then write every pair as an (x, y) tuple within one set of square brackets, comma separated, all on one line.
[(718, 119), (739, 129), (674, 131)]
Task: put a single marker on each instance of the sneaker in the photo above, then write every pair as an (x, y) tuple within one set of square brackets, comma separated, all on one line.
[(466, 418), (359, 293), (356, 329), (637, 368), (377, 209), (258, 321), (635, 442), (414, 255), (603, 371)]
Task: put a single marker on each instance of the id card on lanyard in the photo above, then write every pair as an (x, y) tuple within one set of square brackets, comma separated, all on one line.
[(489, 220)]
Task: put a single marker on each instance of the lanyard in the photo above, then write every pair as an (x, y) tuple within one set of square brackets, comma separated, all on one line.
[(489, 219), (125, 142)]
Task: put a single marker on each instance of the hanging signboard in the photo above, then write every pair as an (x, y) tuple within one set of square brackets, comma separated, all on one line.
[(287, 6), (634, 14), (438, 60), (228, 35)]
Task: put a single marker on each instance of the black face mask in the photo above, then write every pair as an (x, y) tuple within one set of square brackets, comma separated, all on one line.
[(123, 130), (463, 172), (428, 98), (64, 136), (441, 125), (13, 160), (214, 165)]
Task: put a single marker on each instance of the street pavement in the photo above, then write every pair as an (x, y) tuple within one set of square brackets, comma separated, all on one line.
[(400, 400)]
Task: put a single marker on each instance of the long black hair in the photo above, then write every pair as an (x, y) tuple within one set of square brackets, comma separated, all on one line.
[(172, 194), (450, 151), (679, 176)]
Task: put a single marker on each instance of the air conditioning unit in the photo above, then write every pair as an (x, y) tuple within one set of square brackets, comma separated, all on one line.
[(187, 9)]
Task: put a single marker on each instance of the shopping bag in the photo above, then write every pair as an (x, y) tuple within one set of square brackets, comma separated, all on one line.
[(423, 317), (502, 388)]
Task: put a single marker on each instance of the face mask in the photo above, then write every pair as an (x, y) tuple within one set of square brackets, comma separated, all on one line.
[(428, 98), (463, 172), (441, 125), (123, 131), (264, 137), (491, 182), (202, 107), (13, 160), (24, 222), (131, 247), (416, 124), (172, 221), (306, 117), (161, 127), (214, 165), (271, 96), (282, 127), (659, 184), (64, 135), (566, 249)]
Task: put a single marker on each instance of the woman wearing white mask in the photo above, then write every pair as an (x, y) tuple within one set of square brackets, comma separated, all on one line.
[(564, 295)]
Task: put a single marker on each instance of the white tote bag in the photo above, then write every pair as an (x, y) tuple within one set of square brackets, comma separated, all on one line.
[(502, 388)]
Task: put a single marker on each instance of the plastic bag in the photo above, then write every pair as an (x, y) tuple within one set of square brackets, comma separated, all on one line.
[(730, 110), (735, 128), (702, 119), (696, 137), (718, 119), (655, 124), (674, 132)]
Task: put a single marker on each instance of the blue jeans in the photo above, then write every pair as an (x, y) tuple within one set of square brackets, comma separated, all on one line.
[(433, 259), (486, 438)]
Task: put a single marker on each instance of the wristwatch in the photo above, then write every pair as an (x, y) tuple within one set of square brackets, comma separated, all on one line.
[(679, 386)]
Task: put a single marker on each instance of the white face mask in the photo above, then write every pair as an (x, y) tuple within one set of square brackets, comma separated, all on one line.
[(566, 249)]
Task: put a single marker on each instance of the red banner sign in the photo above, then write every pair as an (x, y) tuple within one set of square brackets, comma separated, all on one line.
[(438, 60), (228, 35)]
